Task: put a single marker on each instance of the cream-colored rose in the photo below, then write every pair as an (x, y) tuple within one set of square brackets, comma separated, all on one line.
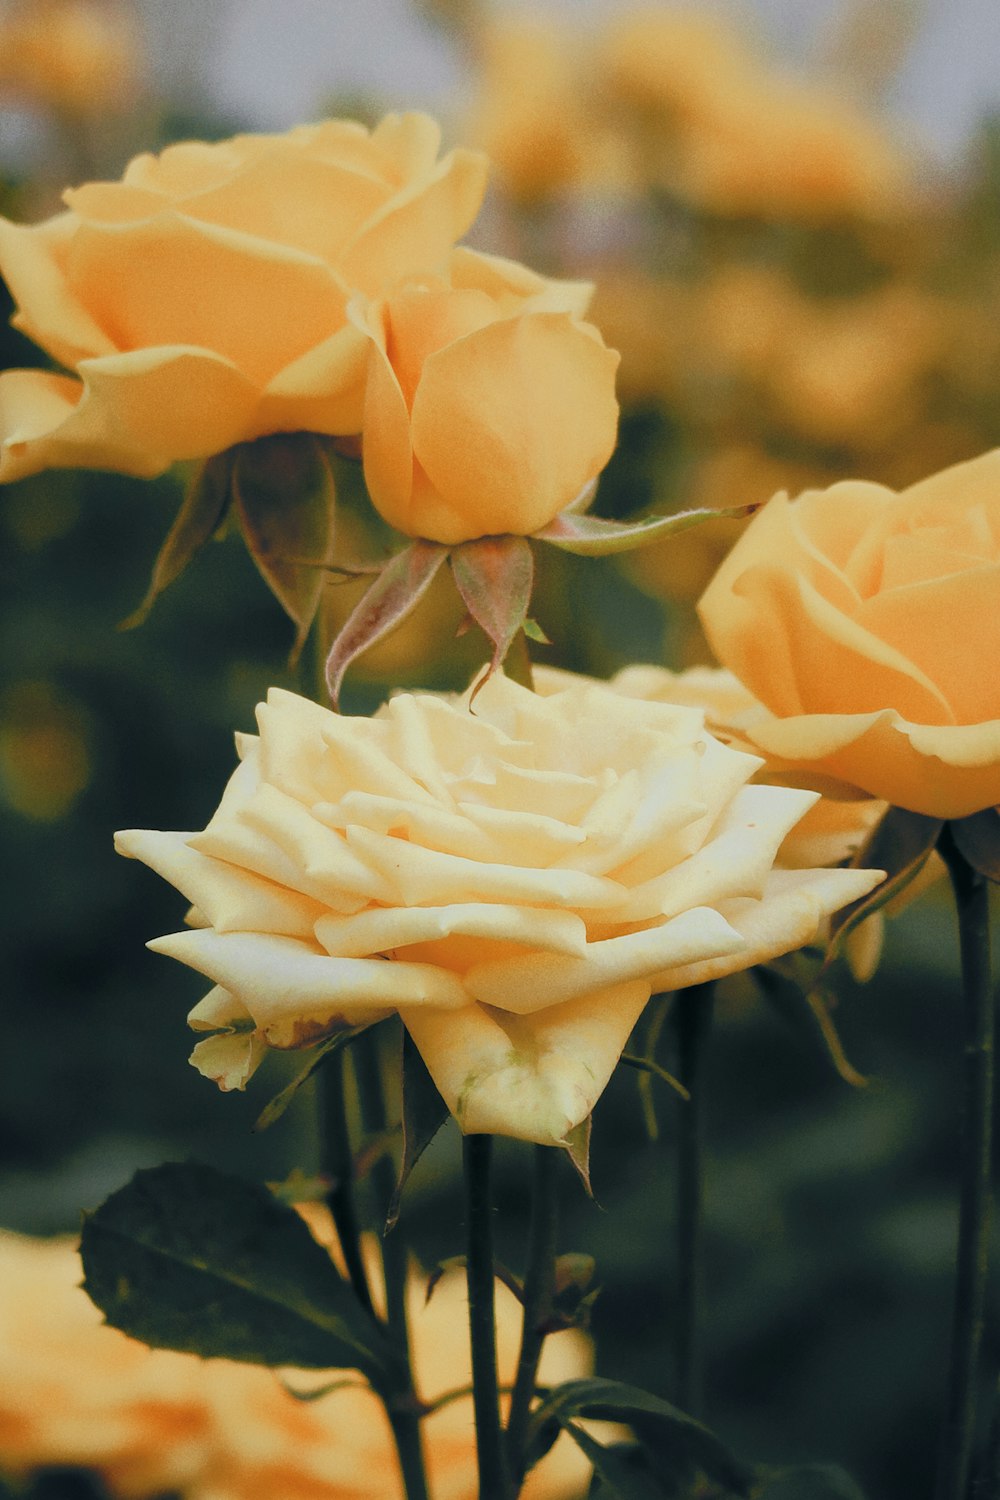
[(201, 301), (76, 1393), (867, 623), (489, 404), (514, 880)]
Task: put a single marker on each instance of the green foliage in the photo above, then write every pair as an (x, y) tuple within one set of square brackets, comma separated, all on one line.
[(185, 1257), (424, 1112)]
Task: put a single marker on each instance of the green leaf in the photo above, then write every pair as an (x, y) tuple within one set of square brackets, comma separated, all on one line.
[(318, 1055), (589, 536), (658, 1424), (807, 1482), (396, 592), (185, 1257), (424, 1112), (977, 839), (577, 1148), (535, 633), (285, 499), (202, 512), (623, 1469), (494, 576), (900, 845)]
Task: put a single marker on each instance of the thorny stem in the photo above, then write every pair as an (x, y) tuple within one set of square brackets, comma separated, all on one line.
[(539, 1286), (337, 1164), (693, 1021), (972, 903), (494, 1477)]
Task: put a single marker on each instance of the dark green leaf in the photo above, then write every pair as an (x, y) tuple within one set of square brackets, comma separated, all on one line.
[(202, 512), (285, 498), (624, 1471), (589, 536), (656, 1422), (424, 1112), (317, 1057), (494, 575), (185, 1257), (977, 839), (900, 845), (396, 592), (807, 1482)]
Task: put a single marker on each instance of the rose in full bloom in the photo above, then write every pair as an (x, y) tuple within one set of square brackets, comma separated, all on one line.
[(489, 404), (201, 301), (76, 1393), (515, 881), (867, 623)]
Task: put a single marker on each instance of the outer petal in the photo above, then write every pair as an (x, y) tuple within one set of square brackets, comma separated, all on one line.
[(388, 452), (944, 771), (40, 428), (510, 423), (32, 264), (321, 391), (532, 1077)]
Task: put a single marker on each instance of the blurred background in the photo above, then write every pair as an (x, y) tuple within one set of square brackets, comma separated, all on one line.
[(792, 215)]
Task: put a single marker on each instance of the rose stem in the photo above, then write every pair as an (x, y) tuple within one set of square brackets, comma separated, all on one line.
[(404, 1415), (494, 1478), (972, 903), (693, 1022), (337, 1163), (539, 1286)]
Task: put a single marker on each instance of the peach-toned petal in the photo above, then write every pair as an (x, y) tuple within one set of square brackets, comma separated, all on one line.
[(322, 390), (944, 771), (41, 428), (383, 929), (387, 450), (532, 1077), (170, 280), (521, 458), (32, 262)]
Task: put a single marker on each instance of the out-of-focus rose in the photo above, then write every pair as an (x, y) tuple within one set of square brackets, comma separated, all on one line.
[(515, 882), (75, 1392), (201, 301), (866, 622), (80, 57), (489, 403), (738, 137)]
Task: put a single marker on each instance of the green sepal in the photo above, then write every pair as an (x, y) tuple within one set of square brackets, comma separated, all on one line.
[(185, 1257), (900, 845), (395, 593), (590, 536), (654, 1069), (495, 575), (576, 1144), (790, 991), (977, 839), (424, 1112), (661, 1428), (203, 510), (622, 1471), (285, 499), (318, 1055)]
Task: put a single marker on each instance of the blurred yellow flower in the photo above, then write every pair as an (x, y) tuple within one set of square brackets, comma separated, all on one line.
[(80, 57), (77, 1393), (866, 621), (201, 301), (489, 404), (514, 881), (44, 750)]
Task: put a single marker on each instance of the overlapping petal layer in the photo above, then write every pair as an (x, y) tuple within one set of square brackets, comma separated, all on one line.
[(514, 879)]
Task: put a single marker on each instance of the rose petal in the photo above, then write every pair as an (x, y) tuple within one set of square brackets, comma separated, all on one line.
[(32, 264)]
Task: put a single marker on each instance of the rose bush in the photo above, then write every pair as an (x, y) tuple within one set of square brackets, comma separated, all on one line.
[(489, 403), (514, 881), (75, 1392), (866, 623), (201, 301)]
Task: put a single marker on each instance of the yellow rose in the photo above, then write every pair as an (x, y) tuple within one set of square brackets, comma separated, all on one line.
[(75, 1392), (489, 404), (74, 56), (867, 622), (201, 301), (514, 881)]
